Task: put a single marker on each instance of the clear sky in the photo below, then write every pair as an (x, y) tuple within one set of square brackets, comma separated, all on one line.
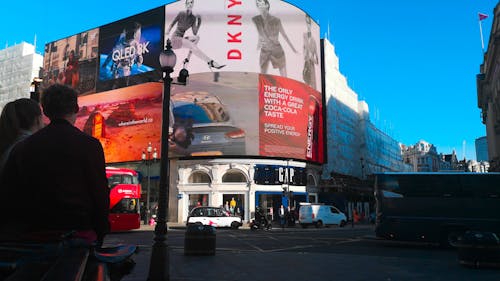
[(413, 61)]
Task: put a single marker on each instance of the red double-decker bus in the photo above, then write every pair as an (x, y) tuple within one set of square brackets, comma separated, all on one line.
[(124, 195)]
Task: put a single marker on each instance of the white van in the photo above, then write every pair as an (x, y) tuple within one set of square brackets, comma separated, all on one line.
[(319, 215)]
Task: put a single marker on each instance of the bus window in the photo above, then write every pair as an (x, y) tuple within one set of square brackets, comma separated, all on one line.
[(389, 186), (115, 180), (125, 206)]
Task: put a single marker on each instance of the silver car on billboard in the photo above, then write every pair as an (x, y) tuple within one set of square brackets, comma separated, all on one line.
[(213, 131)]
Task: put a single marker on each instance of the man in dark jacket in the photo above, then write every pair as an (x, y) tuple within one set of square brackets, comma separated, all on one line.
[(55, 180)]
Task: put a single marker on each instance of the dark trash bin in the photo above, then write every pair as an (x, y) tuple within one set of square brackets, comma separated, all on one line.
[(479, 249), (199, 240)]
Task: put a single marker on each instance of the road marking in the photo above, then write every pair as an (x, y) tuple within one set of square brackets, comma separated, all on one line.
[(289, 248), (349, 241)]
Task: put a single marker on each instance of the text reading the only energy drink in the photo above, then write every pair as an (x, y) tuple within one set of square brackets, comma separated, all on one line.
[(278, 101)]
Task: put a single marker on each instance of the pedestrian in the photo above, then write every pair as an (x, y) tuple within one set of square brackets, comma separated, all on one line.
[(282, 214), (55, 180), (355, 216), (19, 119), (232, 205)]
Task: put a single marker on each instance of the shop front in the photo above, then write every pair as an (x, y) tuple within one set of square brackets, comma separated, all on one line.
[(270, 201)]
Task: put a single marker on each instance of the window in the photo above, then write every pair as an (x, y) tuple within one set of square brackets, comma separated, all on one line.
[(198, 212), (125, 206), (114, 180), (311, 181), (234, 176), (199, 177)]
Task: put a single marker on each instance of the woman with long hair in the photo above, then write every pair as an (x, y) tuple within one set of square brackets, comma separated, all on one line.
[(19, 119)]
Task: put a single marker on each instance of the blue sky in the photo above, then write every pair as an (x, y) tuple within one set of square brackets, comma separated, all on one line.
[(413, 61)]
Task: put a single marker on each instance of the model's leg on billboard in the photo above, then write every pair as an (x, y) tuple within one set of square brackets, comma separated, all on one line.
[(200, 54)]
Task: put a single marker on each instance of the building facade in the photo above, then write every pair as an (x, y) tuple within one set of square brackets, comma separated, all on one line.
[(19, 64), (355, 146), (448, 162), (422, 156), (481, 149), (488, 93), (250, 182)]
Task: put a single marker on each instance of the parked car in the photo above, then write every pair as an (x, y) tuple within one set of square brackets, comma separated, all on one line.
[(320, 215), (214, 216), (213, 129)]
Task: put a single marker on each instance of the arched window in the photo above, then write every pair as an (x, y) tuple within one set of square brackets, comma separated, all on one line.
[(199, 177), (234, 176), (310, 180)]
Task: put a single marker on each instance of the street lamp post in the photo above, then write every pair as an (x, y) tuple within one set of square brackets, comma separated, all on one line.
[(159, 266), (34, 89), (148, 157)]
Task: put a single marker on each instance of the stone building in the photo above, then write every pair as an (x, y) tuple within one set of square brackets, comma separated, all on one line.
[(488, 93)]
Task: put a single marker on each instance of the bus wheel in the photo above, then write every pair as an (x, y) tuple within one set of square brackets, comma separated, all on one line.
[(342, 223), (319, 224)]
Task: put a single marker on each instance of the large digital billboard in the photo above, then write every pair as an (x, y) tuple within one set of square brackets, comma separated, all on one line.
[(241, 113), (72, 61), (124, 120), (262, 36), (129, 51), (253, 90)]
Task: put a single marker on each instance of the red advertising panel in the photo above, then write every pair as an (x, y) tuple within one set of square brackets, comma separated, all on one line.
[(124, 120), (290, 119)]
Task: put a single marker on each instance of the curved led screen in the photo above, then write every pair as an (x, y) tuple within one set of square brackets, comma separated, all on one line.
[(253, 88)]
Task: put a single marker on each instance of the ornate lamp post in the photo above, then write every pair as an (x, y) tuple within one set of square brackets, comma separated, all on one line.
[(34, 89), (159, 266), (149, 157)]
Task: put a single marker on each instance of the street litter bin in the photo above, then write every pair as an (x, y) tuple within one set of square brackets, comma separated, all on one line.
[(199, 240), (479, 249)]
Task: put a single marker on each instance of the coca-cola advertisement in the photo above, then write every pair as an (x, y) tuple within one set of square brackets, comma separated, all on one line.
[(291, 119)]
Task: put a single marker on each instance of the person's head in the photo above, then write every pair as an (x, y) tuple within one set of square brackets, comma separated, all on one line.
[(71, 54), (182, 134), (189, 4), (60, 102), (132, 31), (262, 5), (21, 114)]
